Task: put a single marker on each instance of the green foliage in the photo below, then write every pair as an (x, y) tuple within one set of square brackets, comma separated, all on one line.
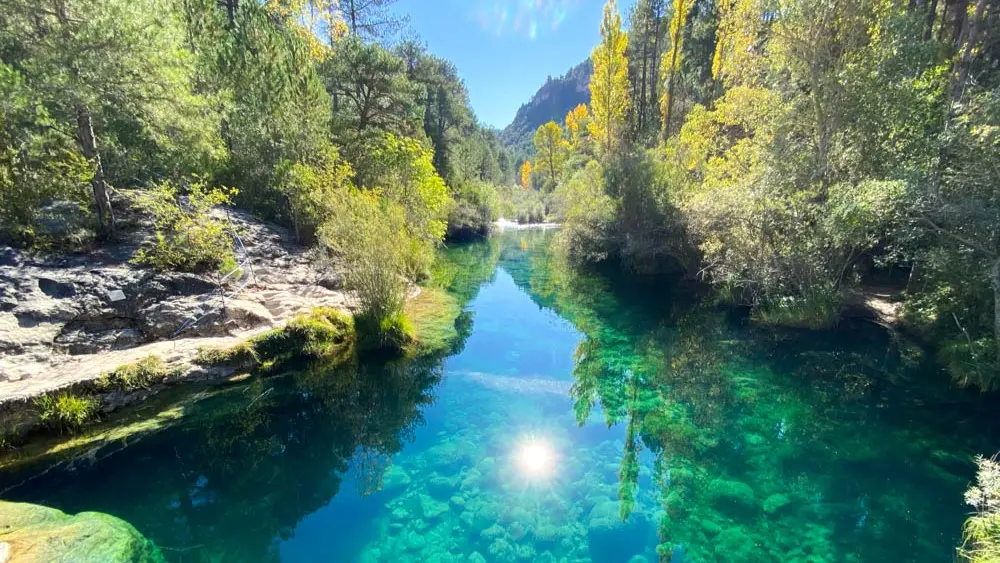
[(310, 190), (38, 166), (188, 237), (524, 205), (370, 235), (476, 208), (66, 412), (392, 334), (323, 332), (131, 377), (816, 310), (981, 534), (588, 215), (410, 199)]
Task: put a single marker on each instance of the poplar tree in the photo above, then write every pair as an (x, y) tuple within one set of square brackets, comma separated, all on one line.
[(671, 64), (609, 85), (551, 149)]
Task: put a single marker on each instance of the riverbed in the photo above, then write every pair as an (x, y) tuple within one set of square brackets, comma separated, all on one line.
[(580, 417)]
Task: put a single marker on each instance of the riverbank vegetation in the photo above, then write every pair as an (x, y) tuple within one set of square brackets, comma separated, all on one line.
[(287, 109), (794, 156)]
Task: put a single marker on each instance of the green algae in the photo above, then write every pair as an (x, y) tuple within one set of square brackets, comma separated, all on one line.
[(39, 534), (685, 435)]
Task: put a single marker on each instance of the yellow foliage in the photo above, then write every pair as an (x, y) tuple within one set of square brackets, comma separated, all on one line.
[(551, 149), (609, 84), (737, 59), (526, 174), (671, 61), (576, 123)]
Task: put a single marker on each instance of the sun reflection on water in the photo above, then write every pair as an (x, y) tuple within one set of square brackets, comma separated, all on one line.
[(535, 457)]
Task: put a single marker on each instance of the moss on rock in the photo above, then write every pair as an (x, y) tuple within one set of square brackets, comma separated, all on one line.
[(37, 533)]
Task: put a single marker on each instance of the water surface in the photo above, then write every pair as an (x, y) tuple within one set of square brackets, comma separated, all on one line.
[(580, 418)]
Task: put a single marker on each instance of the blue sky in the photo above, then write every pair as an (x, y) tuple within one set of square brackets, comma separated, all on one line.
[(505, 49)]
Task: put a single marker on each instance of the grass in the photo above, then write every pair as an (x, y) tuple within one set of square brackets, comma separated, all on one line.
[(323, 332), (817, 311), (131, 377), (66, 412), (393, 334), (240, 356), (981, 534)]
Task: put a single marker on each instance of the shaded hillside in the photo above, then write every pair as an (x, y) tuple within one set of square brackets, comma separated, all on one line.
[(551, 102)]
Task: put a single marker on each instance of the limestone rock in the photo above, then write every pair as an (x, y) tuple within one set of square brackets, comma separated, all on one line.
[(31, 533)]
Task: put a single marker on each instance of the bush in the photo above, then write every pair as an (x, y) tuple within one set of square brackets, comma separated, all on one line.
[(524, 205), (476, 207), (370, 234), (188, 237), (322, 332), (38, 164), (309, 189), (130, 377), (588, 216), (66, 412), (981, 533)]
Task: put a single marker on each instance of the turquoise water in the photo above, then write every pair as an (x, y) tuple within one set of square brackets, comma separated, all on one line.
[(580, 418)]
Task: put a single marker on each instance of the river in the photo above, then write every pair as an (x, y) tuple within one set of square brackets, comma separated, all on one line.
[(581, 417)]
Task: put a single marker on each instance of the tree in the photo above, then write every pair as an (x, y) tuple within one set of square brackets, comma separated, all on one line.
[(526, 174), (577, 121), (646, 35), (609, 85), (370, 90), (671, 63), (736, 60), (371, 20), (99, 64), (550, 147)]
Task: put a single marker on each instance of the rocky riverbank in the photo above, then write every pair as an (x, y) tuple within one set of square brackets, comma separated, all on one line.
[(67, 320)]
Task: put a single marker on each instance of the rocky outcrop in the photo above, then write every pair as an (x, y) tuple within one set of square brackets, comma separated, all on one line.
[(30, 533), (68, 319)]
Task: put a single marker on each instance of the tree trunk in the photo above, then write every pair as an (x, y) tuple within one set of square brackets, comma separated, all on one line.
[(964, 46), (931, 16), (996, 305), (231, 6), (85, 134)]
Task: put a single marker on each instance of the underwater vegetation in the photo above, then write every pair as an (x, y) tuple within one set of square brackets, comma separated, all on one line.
[(558, 415)]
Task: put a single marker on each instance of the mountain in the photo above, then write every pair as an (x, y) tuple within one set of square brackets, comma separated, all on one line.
[(556, 97)]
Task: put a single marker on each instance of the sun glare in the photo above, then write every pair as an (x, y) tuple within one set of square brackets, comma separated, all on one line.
[(535, 457)]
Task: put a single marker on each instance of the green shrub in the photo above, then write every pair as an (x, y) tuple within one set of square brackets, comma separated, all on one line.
[(188, 237), (476, 208), (66, 412), (981, 533), (370, 234), (39, 165), (324, 331), (130, 377)]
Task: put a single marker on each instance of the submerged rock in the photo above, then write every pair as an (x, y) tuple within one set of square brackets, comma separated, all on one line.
[(731, 495), (36, 533)]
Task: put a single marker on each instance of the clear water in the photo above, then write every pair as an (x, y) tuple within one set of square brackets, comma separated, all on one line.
[(582, 418)]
